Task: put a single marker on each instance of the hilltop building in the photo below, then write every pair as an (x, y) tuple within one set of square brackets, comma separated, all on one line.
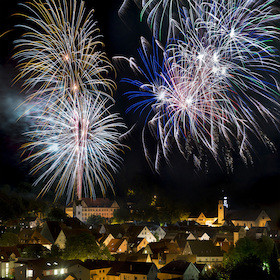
[(86, 207), (245, 218), (216, 221)]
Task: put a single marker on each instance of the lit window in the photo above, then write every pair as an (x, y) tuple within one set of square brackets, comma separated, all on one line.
[(62, 270), (29, 273), (55, 272), (7, 270)]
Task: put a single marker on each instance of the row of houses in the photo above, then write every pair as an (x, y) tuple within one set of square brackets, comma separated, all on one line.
[(43, 269)]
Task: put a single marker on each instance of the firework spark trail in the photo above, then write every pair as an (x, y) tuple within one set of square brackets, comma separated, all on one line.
[(78, 141), (74, 142), (61, 49), (214, 81)]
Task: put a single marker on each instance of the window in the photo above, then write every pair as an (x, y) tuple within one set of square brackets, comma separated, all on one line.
[(7, 270), (55, 272), (62, 270), (29, 273)]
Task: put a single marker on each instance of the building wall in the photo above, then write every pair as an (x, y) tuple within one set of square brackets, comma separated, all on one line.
[(221, 212), (69, 211), (209, 260), (160, 233), (191, 273), (166, 276), (20, 272), (82, 212), (61, 240), (248, 224), (99, 274), (146, 233)]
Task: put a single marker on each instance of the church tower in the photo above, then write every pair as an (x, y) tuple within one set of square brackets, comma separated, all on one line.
[(221, 211)]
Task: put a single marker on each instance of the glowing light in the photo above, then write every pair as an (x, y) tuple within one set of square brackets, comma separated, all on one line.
[(215, 57), (232, 33)]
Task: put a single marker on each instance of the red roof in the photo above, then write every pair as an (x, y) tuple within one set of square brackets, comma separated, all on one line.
[(98, 202)]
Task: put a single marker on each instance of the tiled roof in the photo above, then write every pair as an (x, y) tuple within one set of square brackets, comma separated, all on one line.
[(99, 202), (243, 215), (204, 248), (130, 268), (114, 244), (96, 264), (175, 267), (134, 231)]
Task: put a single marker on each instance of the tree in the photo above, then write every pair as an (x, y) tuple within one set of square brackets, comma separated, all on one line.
[(274, 264), (121, 215), (250, 268), (84, 246), (244, 248), (9, 239), (95, 220), (55, 251), (33, 251), (56, 214)]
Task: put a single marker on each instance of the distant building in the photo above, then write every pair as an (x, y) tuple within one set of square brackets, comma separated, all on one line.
[(8, 257), (214, 221), (181, 270), (203, 252), (245, 218), (117, 246), (42, 268), (87, 207), (248, 218)]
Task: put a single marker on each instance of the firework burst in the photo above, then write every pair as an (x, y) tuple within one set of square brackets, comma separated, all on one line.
[(214, 84), (60, 54), (74, 140), (75, 144)]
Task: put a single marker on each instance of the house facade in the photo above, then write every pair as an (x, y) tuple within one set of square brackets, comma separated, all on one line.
[(87, 207)]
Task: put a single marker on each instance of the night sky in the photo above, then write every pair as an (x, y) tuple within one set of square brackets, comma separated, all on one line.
[(247, 186)]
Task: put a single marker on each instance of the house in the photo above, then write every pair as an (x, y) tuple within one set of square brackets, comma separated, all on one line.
[(113, 270), (162, 252), (132, 271), (136, 244), (248, 218), (87, 207), (105, 239), (117, 246), (42, 267), (51, 230), (57, 277), (8, 257), (141, 256), (224, 240), (91, 269), (238, 233), (203, 252), (157, 231), (118, 231), (180, 269), (30, 236), (257, 232), (140, 232)]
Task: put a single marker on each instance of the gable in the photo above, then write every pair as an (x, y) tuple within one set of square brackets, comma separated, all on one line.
[(201, 216)]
